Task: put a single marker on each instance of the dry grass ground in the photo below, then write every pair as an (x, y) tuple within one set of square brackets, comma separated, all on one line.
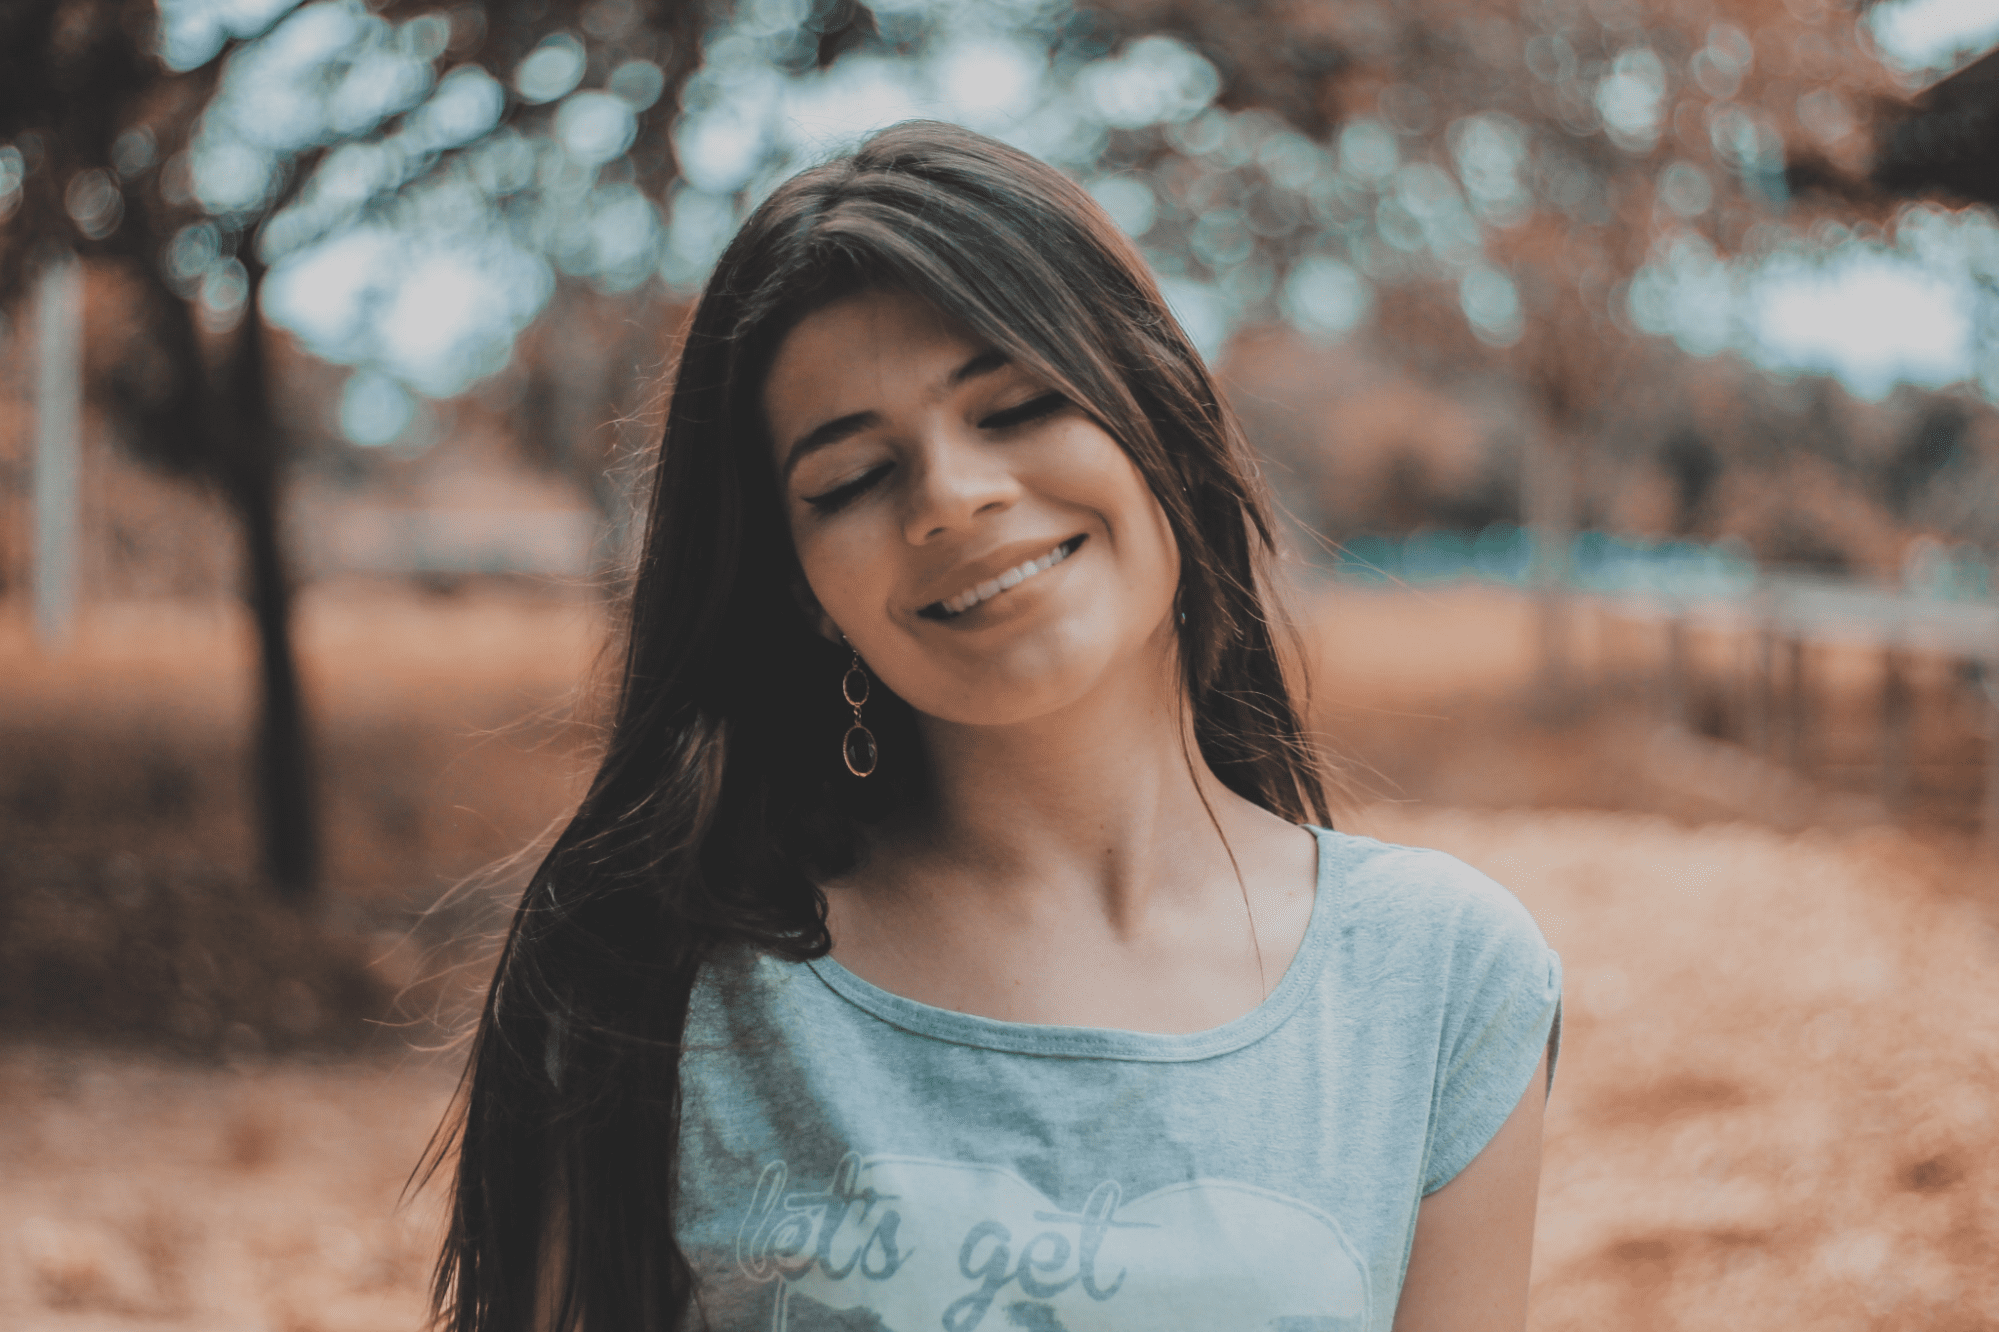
[(1776, 1100), (142, 1193)]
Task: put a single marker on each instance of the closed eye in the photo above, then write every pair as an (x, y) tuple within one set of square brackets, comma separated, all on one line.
[(840, 496), (1032, 410)]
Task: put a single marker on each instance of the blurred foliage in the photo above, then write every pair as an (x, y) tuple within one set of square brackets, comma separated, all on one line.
[(179, 955), (1555, 208), (418, 180), (1481, 182)]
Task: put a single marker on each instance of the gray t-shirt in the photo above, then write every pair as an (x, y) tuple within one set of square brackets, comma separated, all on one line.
[(853, 1159)]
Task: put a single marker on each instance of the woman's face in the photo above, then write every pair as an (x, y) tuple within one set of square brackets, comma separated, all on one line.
[(984, 545)]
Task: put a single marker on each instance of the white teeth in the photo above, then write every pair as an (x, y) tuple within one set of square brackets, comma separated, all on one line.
[(1012, 578)]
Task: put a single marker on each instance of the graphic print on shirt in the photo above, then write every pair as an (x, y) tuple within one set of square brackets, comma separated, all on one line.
[(908, 1242)]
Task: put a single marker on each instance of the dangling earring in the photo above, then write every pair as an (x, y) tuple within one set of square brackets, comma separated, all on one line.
[(858, 749)]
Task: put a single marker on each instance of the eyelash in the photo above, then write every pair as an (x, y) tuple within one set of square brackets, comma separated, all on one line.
[(840, 496), (1032, 410)]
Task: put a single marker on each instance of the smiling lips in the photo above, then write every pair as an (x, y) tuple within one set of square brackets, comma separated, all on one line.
[(1012, 578)]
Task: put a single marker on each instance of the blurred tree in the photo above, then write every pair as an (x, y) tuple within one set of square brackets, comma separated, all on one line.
[(163, 145), (86, 106), (1949, 139), (1546, 152)]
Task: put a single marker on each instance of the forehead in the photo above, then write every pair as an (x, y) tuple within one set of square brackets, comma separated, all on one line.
[(844, 356)]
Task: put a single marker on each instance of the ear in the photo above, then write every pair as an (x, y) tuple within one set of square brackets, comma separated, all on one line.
[(815, 614)]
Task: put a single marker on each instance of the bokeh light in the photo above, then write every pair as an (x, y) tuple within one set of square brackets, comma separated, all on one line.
[(1925, 35), (1244, 218), (375, 409), (1874, 313)]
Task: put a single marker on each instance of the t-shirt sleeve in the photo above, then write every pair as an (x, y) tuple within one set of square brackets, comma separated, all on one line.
[(1502, 1009)]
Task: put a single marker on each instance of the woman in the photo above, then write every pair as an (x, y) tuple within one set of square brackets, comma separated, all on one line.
[(938, 945)]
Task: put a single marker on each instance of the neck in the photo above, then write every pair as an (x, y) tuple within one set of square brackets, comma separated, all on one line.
[(1104, 805)]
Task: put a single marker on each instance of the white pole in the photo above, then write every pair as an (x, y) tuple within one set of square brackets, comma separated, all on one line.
[(58, 447)]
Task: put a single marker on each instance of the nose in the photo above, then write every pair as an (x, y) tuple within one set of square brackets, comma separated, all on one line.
[(958, 479)]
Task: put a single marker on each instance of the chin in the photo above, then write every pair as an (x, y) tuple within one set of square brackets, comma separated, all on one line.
[(1031, 675)]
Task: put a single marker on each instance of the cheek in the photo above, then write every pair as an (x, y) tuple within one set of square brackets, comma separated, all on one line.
[(842, 566), (1143, 534)]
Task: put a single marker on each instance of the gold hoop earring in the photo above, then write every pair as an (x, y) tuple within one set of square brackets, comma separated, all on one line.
[(858, 747)]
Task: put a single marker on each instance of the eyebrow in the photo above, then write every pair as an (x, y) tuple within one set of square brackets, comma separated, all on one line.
[(841, 428)]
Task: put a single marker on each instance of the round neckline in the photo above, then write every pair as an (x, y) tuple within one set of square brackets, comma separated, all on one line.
[(1049, 1039)]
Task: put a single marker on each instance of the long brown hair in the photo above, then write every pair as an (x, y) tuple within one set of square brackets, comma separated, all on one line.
[(721, 798)]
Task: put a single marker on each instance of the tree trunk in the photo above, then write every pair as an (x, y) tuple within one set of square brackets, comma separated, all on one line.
[(287, 816), (1898, 711), (1797, 703), (1549, 505)]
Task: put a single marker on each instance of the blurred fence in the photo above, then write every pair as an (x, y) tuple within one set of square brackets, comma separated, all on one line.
[(382, 540), (1934, 576), (1943, 609)]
